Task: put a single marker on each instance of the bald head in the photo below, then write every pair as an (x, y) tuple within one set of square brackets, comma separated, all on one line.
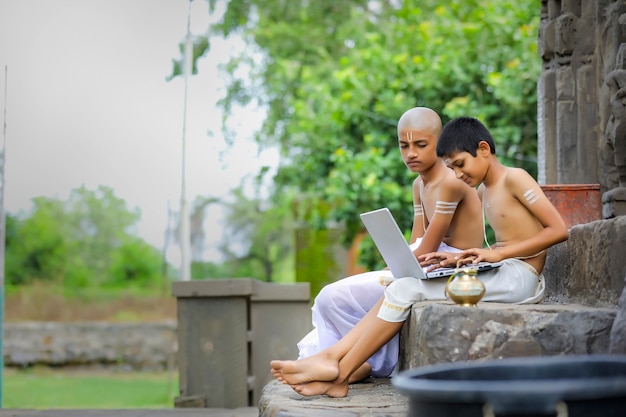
[(420, 119)]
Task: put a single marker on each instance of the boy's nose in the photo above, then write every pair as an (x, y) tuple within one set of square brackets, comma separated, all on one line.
[(458, 173)]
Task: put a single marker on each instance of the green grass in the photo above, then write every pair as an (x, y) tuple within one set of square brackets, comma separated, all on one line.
[(49, 389)]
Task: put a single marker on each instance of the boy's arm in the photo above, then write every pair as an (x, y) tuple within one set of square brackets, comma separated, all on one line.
[(419, 217), (526, 190), (449, 196)]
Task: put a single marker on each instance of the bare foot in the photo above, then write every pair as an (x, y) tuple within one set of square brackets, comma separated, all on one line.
[(276, 374), (332, 389), (313, 368)]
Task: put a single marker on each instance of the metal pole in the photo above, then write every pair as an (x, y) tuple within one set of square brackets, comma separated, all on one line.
[(185, 240), (2, 232)]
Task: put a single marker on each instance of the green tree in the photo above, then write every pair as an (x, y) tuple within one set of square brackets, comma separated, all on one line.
[(85, 240), (259, 235), (134, 262), (37, 246), (335, 76), (99, 223)]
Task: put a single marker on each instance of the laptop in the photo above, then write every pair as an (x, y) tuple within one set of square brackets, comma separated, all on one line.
[(396, 252)]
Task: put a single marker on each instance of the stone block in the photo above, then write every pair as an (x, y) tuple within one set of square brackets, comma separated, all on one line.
[(229, 330), (374, 397), (440, 332), (589, 268), (614, 203)]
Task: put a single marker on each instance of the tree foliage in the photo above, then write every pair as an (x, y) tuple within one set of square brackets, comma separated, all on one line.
[(335, 76), (263, 233), (85, 240)]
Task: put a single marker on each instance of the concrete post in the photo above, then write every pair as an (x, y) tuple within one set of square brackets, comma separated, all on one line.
[(228, 331)]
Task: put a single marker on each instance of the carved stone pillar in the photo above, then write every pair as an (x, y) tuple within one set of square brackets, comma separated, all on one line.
[(612, 58), (546, 113), (582, 97)]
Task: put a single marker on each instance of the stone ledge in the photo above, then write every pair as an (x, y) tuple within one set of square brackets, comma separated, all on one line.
[(375, 397), (584, 280), (440, 332)]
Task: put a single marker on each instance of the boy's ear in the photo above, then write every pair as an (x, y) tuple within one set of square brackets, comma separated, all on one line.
[(483, 148)]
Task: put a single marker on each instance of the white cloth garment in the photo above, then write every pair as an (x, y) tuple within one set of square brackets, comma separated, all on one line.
[(342, 304), (515, 282)]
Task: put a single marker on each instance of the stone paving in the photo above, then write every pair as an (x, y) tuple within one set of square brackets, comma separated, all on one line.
[(375, 397)]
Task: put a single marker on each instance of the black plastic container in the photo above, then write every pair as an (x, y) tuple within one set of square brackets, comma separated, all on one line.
[(571, 385)]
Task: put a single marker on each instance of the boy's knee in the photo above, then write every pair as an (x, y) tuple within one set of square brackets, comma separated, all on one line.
[(403, 290), (326, 296)]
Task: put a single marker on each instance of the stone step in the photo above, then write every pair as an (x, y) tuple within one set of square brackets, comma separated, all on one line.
[(580, 315), (441, 332), (374, 397)]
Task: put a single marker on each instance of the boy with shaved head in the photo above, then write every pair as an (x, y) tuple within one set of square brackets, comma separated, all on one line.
[(447, 218)]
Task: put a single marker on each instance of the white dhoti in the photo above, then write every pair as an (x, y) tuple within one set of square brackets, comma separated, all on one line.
[(339, 306), (515, 282)]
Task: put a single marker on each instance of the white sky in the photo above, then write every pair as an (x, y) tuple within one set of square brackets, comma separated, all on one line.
[(87, 103)]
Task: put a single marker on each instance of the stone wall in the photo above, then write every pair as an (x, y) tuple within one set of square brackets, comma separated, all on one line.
[(150, 346)]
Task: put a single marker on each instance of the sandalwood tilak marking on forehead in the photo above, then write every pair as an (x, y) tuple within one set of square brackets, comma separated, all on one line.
[(447, 161), (530, 196), (445, 207), (409, 136)]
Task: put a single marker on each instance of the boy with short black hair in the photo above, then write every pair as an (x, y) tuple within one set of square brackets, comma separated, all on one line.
[(525, 222)]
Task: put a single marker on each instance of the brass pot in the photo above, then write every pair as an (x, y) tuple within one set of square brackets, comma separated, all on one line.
[(464, 287)]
